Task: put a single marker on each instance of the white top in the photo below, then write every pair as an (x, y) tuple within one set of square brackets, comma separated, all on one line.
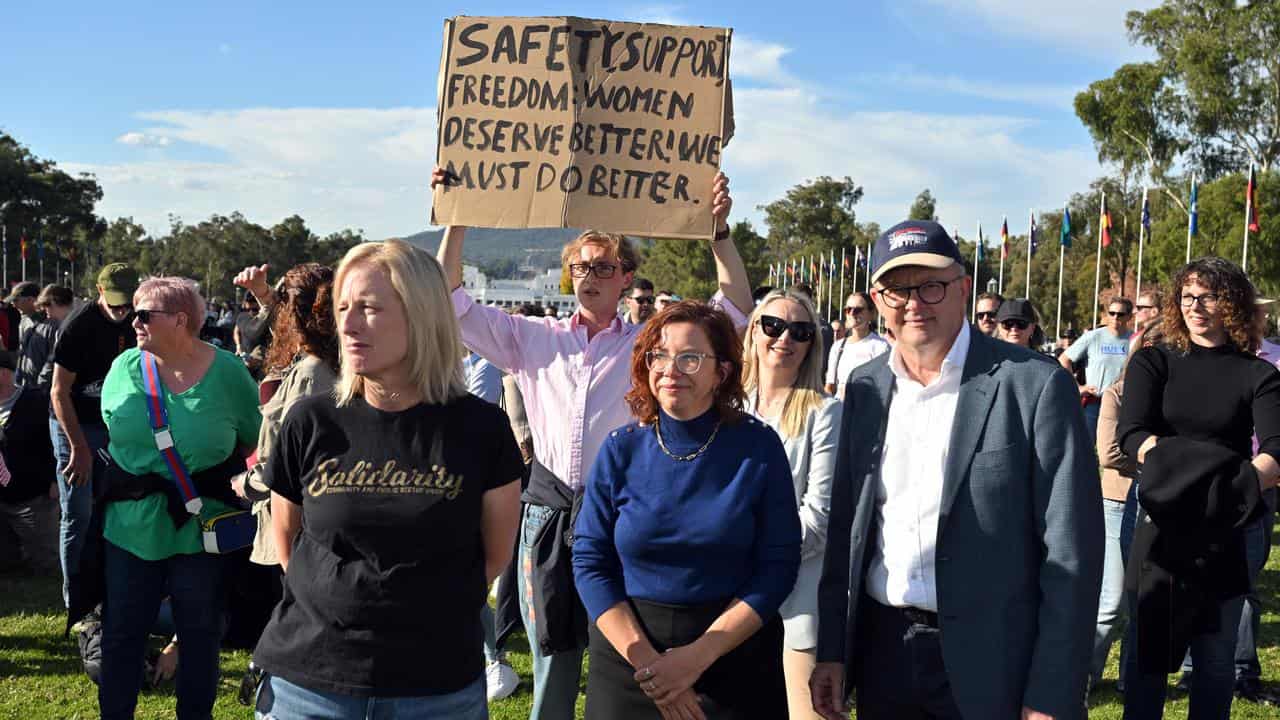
[(845, 356), (909, 492)]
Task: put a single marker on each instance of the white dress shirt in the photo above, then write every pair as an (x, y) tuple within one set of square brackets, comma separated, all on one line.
[(909, 492)]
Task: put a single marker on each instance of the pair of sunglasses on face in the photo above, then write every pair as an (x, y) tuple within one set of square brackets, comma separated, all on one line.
[(800, 330), (1012, 324)]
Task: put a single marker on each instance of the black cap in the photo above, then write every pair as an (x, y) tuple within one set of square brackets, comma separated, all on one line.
[(914, 242), (1016, 309)]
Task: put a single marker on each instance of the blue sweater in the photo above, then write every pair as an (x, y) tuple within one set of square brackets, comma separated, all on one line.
[(722, 526)]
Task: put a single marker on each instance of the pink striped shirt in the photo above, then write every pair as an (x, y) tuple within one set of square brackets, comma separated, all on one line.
[(573, 388)]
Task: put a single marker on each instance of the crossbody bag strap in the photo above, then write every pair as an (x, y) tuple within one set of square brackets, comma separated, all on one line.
[(839, 354), (159, 417)]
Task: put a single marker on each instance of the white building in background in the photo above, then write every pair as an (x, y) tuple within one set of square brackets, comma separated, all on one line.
[(541, 290)]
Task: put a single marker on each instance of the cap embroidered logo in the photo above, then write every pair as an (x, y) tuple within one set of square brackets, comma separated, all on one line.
[(907, 236)]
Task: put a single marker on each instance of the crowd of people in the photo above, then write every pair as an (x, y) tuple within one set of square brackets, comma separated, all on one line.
[(737, 508)]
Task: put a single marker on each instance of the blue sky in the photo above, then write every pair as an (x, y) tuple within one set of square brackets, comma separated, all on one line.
[(326, 109)]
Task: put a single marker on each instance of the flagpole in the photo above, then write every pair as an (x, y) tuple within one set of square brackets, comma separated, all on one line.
[(831, 283), (1061, 259), (855, 278), (1248, 213), (1030, 239), (977, 256), (1097, 266), (1142, 242), (1003, 242), (869, 246), (1192, 218)]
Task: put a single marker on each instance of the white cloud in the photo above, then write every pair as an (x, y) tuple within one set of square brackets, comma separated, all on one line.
[(369, 167), (139, 139), (1058, 97), (1093, 27), (974, 164), (335, 167), (760, 61)]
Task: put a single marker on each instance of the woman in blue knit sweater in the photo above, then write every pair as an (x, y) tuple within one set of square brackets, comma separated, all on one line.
[(688, 539)]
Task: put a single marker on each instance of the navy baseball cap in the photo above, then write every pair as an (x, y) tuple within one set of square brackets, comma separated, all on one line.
[(914, 242)]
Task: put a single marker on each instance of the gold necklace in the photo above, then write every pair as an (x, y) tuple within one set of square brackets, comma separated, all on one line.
[(657, 430)]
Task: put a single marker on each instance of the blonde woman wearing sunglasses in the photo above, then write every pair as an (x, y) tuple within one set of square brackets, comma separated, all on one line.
[(782, 376)]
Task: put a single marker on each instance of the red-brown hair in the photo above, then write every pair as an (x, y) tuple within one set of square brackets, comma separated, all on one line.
[(304, 318), (729, 396), (1236, 303)]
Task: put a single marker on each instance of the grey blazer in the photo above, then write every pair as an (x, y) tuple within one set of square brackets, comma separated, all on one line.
[(1020, 533), (812, 456)]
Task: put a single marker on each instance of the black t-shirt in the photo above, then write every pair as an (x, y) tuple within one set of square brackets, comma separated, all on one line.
[(87, 344), (386, 579)]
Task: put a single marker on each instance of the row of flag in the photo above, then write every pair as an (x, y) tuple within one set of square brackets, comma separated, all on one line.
[(24, 247), (823, 269)]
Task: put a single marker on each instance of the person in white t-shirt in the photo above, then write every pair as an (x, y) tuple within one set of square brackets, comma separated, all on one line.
[(859, 344)]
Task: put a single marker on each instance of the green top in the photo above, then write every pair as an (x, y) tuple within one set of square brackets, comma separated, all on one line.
[(208, 421)]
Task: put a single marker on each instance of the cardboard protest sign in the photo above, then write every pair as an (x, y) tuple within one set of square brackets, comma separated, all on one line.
[(568, 122)]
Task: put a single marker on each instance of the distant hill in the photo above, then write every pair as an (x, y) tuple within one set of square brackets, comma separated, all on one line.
[(538, 247)]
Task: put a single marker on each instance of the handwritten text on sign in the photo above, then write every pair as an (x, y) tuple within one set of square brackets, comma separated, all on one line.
[(566, 122)]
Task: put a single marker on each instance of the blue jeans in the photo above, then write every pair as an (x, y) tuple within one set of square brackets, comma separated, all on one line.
[(555, 677), (1257, 540), (1111, 605), (76, 502), (490, 628), (1091, 413), (1212, 684), (134, 589), (279, 699)]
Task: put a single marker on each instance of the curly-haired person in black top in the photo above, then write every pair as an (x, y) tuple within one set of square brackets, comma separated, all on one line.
[(1192, 406)]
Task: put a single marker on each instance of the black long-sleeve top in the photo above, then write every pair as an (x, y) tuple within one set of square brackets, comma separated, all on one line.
[(1219, 395)]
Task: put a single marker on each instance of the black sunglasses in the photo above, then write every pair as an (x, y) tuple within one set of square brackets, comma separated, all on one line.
[(1014, 324), (144, 315), (1146, 307), (987, 315), (801, 331), (1113, 313), (854, 310), (644, 299)]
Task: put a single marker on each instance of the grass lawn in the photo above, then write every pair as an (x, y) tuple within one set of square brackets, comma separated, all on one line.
[(41, 678)]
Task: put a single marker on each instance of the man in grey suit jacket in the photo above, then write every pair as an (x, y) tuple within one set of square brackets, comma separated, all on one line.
[(964, 551)]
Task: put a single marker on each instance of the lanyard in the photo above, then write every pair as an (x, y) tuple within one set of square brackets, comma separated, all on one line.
[(159, 416)]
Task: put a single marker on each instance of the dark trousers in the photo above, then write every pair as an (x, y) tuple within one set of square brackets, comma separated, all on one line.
[(745, 684), (134, 589), (901, 676), (1258, 549)]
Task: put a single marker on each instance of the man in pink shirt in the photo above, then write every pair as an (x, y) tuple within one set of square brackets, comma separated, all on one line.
[(573, 374)]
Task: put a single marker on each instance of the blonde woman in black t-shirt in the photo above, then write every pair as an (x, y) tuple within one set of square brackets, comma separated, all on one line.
[(395, 504)]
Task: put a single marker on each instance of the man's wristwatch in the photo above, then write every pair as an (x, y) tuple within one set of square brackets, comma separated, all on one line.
[(722, 234)]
